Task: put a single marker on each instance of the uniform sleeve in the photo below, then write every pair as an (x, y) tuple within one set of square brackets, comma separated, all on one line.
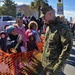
[(66, 42)]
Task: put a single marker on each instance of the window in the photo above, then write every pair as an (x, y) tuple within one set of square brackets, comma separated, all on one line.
[(8, 18)]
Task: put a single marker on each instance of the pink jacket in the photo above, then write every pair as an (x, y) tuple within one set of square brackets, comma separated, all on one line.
[(38, 39), (22, 32), (27, 32)]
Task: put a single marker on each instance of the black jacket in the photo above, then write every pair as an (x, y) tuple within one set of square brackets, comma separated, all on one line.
[(3, 44), (12, 42)]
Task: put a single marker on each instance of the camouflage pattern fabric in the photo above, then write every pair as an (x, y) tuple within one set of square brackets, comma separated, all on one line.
[(57, 47)]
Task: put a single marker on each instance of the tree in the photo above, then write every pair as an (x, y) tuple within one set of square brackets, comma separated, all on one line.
[(8, 8), (36, 4)]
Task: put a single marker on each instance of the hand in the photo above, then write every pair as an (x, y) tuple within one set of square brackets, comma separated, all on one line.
[(20, 37), (13, 50), (19, 40), (56, 68)]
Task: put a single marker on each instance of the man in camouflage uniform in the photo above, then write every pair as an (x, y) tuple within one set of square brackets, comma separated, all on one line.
[(58, 42)]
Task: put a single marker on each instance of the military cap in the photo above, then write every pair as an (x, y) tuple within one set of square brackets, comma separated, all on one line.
[(44, 9)]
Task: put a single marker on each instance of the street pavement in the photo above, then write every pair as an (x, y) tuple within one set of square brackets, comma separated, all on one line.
[(69, 68)]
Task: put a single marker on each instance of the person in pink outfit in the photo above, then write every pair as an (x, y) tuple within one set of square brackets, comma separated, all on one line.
[(20, 29), (33, 27)]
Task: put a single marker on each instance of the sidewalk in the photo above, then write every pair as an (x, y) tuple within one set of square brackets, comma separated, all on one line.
[(70, 67)]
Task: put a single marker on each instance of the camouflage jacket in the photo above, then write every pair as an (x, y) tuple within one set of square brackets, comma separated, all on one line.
[(58, 43)]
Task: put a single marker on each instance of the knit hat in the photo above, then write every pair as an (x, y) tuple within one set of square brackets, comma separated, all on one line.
[(10, 28)]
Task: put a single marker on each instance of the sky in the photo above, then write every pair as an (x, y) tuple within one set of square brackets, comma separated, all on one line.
[(68, 6)]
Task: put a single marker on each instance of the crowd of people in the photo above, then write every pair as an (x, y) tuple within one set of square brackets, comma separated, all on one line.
[(24, 35), (21, 36)]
